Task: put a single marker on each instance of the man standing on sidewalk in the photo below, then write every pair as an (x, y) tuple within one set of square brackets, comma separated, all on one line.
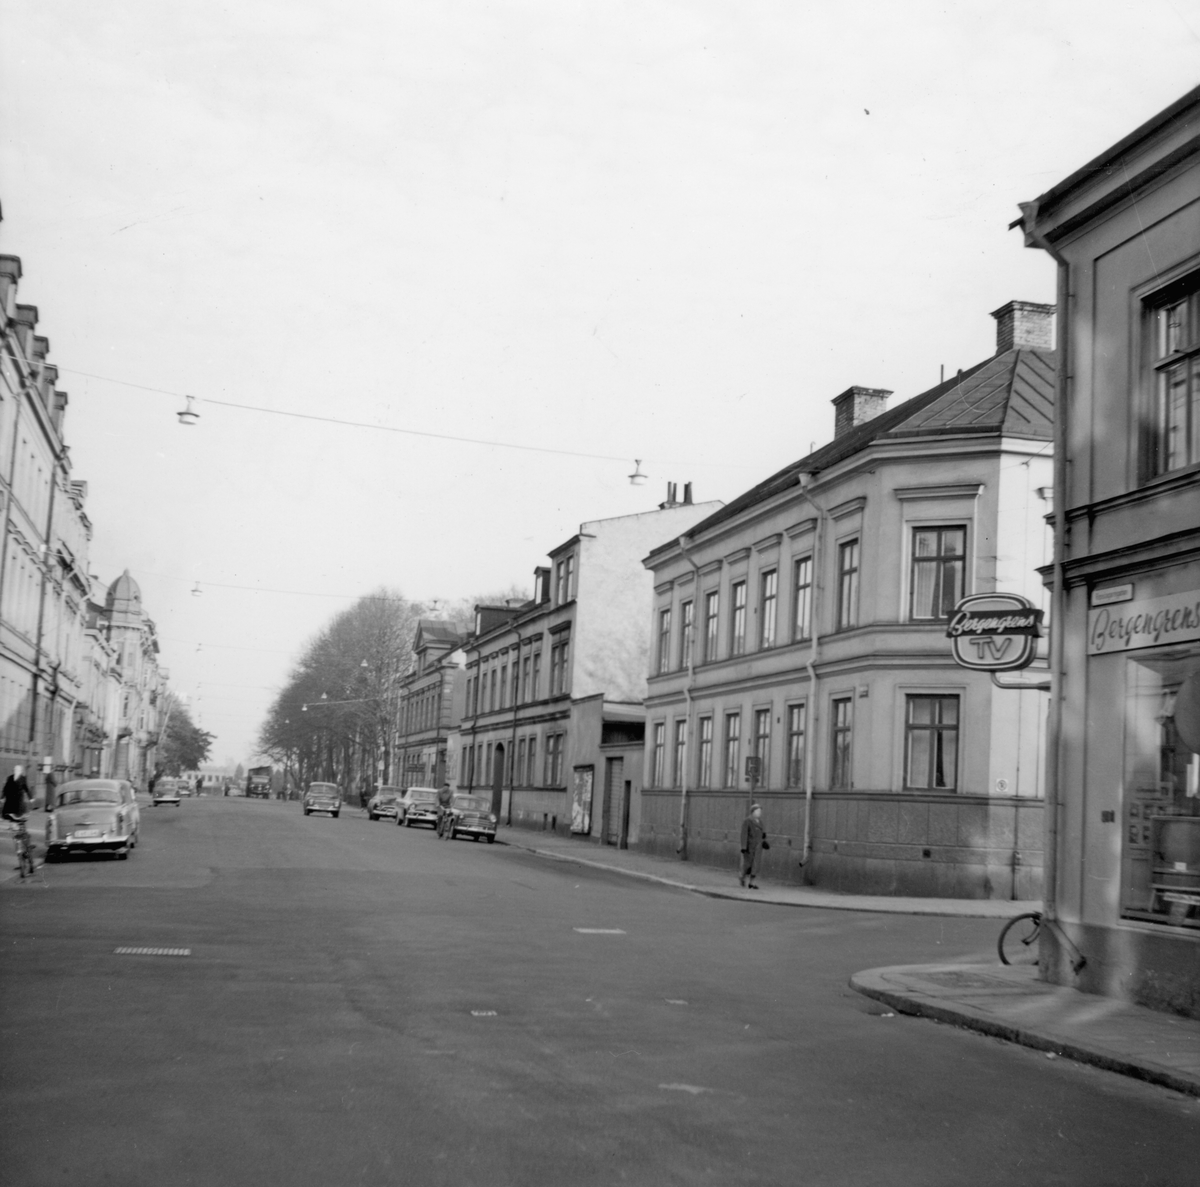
[(754, 841)]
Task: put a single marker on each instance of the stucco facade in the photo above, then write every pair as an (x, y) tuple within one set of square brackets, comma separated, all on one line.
[(805, 625), (1125, 830)]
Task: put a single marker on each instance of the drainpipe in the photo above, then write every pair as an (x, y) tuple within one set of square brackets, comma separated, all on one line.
[(1058, 599), (814, 710), (512, 742), (683, 542)]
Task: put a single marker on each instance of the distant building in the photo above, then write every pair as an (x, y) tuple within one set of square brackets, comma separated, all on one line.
[(803, 628), (433, 695), (1125, 838), (553, 722)]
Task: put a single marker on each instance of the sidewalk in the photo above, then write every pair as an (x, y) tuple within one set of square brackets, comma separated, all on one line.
[(994, 999), (1010, 1003), (717, 883)]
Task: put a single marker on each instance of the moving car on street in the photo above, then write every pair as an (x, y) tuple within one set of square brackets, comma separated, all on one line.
[(470, 816), (93, 816), (418, 806), (323, 797), (385, 802), (167, 791)]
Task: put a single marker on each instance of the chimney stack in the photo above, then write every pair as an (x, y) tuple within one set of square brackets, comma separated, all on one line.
[(672, 496), (1024, 325), (687, 494), (857, 405)]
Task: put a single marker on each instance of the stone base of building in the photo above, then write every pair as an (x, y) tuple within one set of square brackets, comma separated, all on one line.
[(931, 846), (1154, 967), (537, 810)]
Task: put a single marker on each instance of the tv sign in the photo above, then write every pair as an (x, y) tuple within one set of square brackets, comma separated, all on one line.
[(995, 632)]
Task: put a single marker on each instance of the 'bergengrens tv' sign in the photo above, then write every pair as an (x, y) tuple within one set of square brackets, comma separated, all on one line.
[(995, 632)]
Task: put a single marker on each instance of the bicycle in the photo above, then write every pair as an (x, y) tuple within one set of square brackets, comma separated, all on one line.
[(25, 862), (1018, 942)]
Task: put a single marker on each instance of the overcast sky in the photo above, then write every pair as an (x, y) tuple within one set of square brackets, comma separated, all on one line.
[(666, 231)]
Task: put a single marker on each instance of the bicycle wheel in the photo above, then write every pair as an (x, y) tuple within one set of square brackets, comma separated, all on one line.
[(1018, 943), (25, 861)]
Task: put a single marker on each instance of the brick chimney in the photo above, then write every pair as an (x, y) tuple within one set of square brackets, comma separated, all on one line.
[(857, 405), (1024, 324)]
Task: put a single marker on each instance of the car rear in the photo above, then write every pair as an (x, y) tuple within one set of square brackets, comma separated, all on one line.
[(92, 816)]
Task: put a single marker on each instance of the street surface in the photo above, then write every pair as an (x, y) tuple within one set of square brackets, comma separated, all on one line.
[(365, 1004)]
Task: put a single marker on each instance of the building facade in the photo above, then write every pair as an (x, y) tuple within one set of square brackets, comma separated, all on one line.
[(803, 627), (553, 721), (1124, 833), (432, 699)]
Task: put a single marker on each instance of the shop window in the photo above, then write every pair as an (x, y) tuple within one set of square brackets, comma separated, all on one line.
[(931, 743), (1175, 378), (1160, 867)]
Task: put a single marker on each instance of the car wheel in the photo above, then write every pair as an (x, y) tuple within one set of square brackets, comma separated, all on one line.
[(305, 811), (123, 855), (334, 814), (492, 839)]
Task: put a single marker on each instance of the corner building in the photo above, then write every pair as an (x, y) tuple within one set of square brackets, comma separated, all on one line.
[(1124, 838), (804, 625)]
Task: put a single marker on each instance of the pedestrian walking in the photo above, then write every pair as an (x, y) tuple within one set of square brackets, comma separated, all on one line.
[(754, 841), (16, 795)]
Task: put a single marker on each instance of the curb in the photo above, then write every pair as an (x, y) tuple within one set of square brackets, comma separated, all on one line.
[(870, 984), (928, 907)]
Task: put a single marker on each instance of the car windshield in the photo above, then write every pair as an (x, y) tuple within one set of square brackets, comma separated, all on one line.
[(422, 797), (88, 795), (389, 798), (472, 803), (322, 789), (166, 785)]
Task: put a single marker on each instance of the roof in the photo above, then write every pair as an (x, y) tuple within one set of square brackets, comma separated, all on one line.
[(434, 631), (1010, 394)]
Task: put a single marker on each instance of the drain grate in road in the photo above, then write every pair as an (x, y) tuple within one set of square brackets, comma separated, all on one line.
[(152, 952), (599, 931)]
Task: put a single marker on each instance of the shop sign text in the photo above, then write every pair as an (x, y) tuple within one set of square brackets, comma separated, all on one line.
[(1149, 622)]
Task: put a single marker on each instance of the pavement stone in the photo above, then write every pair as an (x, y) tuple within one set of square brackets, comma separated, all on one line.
[(1009, 1002), (718, 883)]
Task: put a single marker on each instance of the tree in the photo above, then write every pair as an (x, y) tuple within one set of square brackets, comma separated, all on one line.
[(183, 745)]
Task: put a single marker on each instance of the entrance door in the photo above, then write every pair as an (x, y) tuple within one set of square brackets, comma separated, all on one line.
[(614, 772)]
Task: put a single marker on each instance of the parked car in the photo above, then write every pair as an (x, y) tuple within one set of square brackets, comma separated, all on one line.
[(323, 797), (93, 816), (470, 816), (418, 806), (385, 802), (168, 791)]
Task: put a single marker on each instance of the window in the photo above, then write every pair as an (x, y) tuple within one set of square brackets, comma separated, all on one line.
[(564, 579), (525, 678), (737, 621), (559, 655), (686, 616), (704, 753), (492, 693), (1175, 374), (712, 617), (931, 743), (471, 766), (658, 754), (664, 641), (554, 759), (795, 745), (938, 557), (680, 750), (733, 747), (503, 685), (842, 728), (534, 689), (767, 597), (847, 585), (531, 769), (762, 743), (802, 599), (521, 768)]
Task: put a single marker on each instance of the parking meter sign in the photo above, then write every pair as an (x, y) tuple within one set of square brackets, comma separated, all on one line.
[(994, 632)]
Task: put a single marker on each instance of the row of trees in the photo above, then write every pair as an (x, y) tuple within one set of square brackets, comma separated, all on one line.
[(337, 719), (182, 744)]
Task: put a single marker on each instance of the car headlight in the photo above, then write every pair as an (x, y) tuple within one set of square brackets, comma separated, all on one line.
[(491, 820)]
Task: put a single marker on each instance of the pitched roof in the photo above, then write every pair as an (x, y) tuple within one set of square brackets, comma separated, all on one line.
[(433, 631), (1010, 394)]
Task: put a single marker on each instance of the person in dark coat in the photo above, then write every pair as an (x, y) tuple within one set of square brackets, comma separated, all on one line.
[(754, 841)]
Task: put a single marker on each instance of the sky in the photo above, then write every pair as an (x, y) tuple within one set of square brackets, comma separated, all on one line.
[(525, 243)]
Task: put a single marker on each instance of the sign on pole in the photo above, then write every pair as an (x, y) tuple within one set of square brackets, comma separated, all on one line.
[(995, 632)]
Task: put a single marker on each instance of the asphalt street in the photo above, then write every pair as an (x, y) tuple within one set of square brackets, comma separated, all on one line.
[(364, 1004)]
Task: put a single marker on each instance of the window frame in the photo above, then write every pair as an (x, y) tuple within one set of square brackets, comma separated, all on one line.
[(678, 752), (802, 593), (737, 618), (761, 743), (712, 625), (841, 743), (848, 582), (797, 728), (1160, 358), (704, 749), (768, 608), (938, 730), (664, 642), (658, 746), (939, 562), (732, 749), (687, 624)]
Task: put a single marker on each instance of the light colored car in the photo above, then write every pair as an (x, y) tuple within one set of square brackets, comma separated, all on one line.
[(470, 816), (385, 802), (167, 791), (418, 806), (93, 816), (323, 797)]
